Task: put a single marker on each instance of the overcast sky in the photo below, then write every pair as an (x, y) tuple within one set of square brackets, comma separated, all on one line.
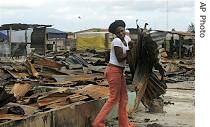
[(75, 15)]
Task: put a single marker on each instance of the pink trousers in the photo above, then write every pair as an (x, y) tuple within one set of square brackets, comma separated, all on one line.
[(117, 94)]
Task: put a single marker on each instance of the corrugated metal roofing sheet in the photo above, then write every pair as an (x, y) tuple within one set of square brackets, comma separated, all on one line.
[(94, 91), (53, 30)]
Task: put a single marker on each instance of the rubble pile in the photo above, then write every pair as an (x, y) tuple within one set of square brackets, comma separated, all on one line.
[(43, 83)]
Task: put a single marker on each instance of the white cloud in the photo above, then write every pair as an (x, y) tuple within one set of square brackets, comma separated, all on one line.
[(20, 4), (62, 10)]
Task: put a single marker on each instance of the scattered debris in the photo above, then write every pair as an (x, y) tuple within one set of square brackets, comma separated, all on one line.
[(43, 83), (156, 106), (154, 125), (168, 102), (5, 97), (146, 120), (15, 110)]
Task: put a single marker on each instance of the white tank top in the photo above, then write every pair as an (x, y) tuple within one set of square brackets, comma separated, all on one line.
[(119, 43)]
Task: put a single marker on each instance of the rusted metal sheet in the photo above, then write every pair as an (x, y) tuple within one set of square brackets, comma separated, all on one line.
[(75, 98), (94, 91), (59, 97), (18, 75), (39, 60), (84, 77), (81, 79), (51, 71), (66, 100), (62, 83), (52, 98), (20, 89), (60, 92)]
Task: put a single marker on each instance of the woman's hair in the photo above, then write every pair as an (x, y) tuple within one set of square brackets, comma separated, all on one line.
[(113, 26)]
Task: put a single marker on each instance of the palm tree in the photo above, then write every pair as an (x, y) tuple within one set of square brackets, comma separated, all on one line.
[(191, 28)]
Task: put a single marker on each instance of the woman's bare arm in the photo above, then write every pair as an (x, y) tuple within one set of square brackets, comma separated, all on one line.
[(119, 54)]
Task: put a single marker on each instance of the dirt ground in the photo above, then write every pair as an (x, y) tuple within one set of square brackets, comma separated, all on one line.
[(179, 109)]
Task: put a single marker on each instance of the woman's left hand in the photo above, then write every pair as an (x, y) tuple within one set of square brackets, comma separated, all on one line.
[(130, 44)]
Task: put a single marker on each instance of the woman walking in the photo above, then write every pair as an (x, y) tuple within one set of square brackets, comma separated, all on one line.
[(114, 74)]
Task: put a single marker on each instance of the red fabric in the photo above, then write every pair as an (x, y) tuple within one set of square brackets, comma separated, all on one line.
[(117, 94)]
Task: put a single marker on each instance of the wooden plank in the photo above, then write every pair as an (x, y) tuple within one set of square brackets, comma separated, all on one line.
[(31, 69)]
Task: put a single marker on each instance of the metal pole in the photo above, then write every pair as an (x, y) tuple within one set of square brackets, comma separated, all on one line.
[(180, 47), (45, 40), (26, 39), (167, 15), (10, 39)]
